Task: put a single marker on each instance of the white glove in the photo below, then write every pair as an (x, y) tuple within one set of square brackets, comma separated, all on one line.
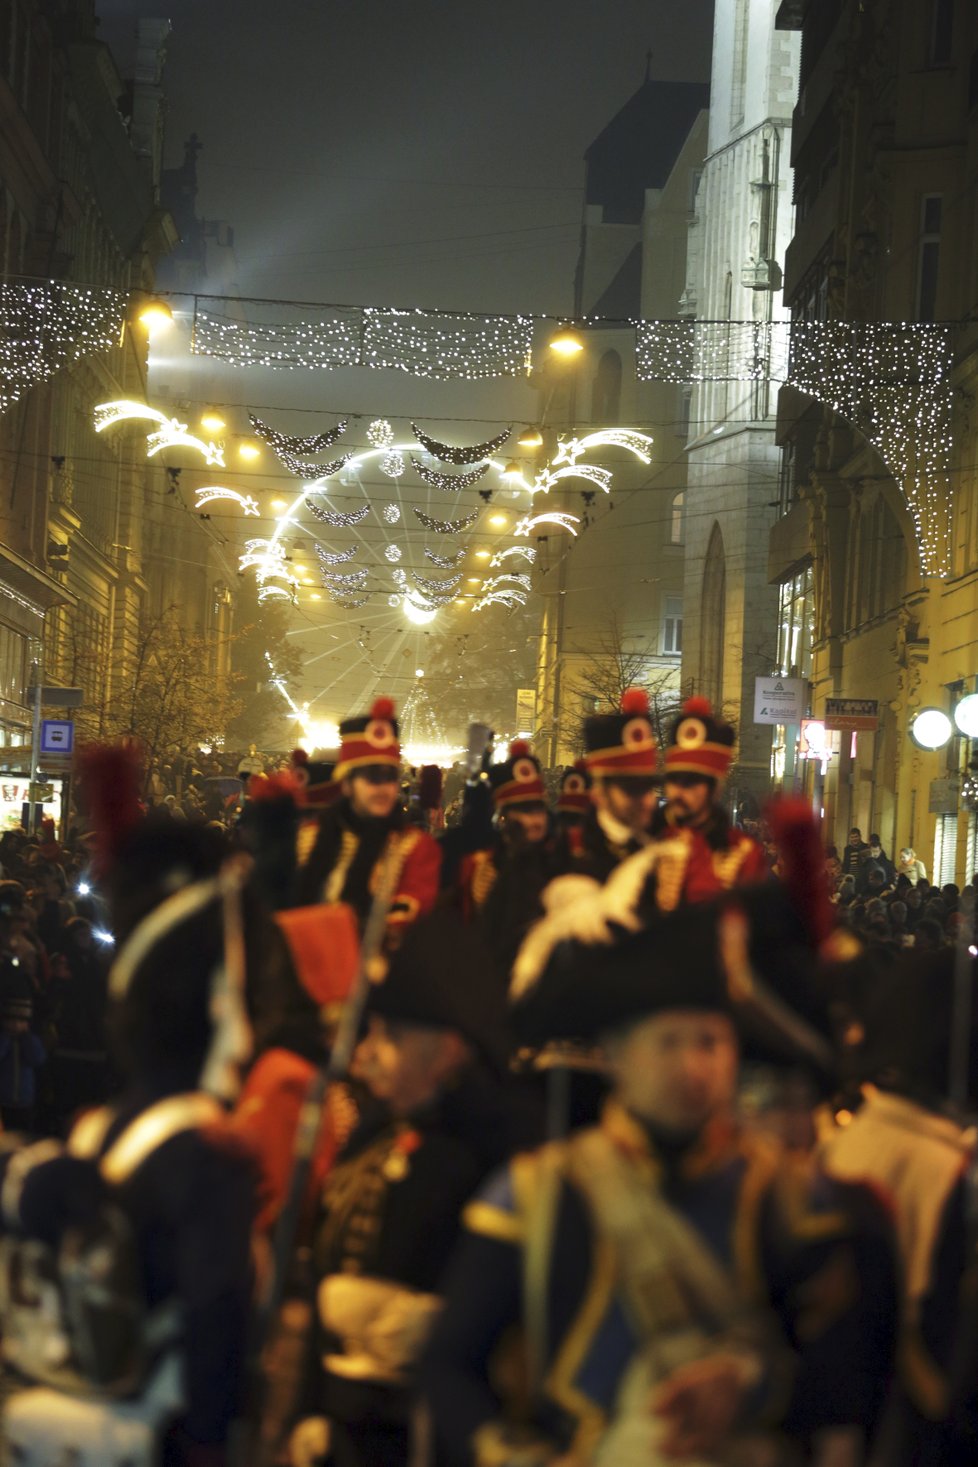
[(309, 1442)]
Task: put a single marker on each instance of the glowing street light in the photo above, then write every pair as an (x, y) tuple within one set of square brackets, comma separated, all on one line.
[(567, 343), (530, 438), (155, 315), (931, 728), (211, 420)]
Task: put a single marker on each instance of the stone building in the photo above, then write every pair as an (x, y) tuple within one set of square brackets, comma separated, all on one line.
[(733, 296), (613, 597), (875, 553)]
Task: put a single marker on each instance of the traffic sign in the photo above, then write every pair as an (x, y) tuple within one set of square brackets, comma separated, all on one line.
[(57, 737)]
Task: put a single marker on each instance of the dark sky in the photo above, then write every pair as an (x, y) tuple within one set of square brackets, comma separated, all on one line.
[(424, 152)]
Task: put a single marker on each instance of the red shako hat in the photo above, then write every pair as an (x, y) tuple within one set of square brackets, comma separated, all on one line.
[(700, 743), (622, 743), (575, 783), (370, 739), (518, 780), (315, 786)]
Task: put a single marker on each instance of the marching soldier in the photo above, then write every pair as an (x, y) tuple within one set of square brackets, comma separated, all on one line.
[(574, 805), (622, 760), (685, 1289), (697, 761), (367, 824)]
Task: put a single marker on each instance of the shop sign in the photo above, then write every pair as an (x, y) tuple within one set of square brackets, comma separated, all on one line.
[(780, 699)]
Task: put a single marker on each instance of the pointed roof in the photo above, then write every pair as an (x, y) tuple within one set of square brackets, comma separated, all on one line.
[(638, 147)]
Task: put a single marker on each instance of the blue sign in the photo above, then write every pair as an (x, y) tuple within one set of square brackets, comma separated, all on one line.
[(57, 737)]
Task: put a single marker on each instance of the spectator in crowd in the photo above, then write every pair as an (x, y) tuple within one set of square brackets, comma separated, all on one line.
[(910, 866), (855, 849)]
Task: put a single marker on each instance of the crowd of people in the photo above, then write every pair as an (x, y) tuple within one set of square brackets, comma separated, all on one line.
[(594, 1133)]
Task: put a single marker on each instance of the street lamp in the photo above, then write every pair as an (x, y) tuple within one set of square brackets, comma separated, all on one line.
[(966, 716), (530, 438), (931, 728), (155, 315), (567, 342)]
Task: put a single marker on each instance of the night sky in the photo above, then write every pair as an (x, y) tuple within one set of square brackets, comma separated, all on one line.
[(394, 152)]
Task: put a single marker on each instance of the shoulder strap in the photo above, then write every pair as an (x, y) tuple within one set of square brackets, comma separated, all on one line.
[(537, 1258), (160, 1123)]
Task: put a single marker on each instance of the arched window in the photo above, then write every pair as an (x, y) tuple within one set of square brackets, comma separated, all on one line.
[(712, 626), (676, 520), (606, 391)]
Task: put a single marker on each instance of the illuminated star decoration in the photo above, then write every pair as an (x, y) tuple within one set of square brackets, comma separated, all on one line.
[(569, 450), (451, 483), (552, 517), (171, 433), (450, 454), (547, 477), (275, 579), (526, 552), (512, 599), (208, 494)]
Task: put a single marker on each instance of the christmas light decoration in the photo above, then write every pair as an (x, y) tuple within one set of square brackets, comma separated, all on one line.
[(267, 558), (393, 552), (44, 327), (380, 433), (272, 592), (451, 454), (328, 558), (547, 478), (393, 602), (308, 471), (351, 580), (569, 450), (444, 562), (335, 518), (510, 599), (503, 581), (211, 492), (171, 432), (333, 341), (552, 517), (526, 552), (354, 604), (710, 351), (417, 612), (392, 464), (435, 586), (451, 483), (446, 527), (288, 443), (400, 579), (392, 513)]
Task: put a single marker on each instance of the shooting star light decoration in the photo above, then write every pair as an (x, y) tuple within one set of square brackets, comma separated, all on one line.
[(552, 517), (210, 492), (170, 433)]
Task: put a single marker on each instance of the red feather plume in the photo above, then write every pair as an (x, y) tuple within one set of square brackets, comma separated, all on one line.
[(282, 785), (111, 776), (796, 833), (299, 756), (518, 749), (698, 707), (383, 708), (635, 700)]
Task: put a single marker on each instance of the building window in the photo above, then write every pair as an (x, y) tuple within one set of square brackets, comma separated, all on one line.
[(606, 392), (683, 403), (931, 206), (676, 519), (672, 636), (796, 625), (13, 664), (945, 850), (738, 85), (941, 32), (713, 619)]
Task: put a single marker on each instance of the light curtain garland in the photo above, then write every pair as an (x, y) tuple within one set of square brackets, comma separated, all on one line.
[(335, 518), (288, 443), (450, 483), (451, 453), (446, 527), (45, 327)]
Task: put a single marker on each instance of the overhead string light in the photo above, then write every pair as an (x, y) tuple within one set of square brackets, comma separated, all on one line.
[(450, 483), (446, 527), (350, 580), (45, 327), (453, 454), (393, 553), (392, 513), (392, 464), (444, 562), (380, 434), (336, 518), (211, 492), (431, 585), (288, 443), (353, 604)]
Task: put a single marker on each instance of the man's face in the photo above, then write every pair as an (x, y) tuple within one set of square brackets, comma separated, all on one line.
[(677, 1070), (631, 800), (875, 851), (406, 1065), (688, 799), (373, 792), (913, 897), (527, 823), (854, 838)]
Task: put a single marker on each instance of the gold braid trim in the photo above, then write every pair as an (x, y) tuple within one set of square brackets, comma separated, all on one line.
[(336, 880), (484, 877)]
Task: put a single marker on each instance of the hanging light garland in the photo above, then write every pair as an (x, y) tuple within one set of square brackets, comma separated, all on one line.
[(309, 471), (393, 553), (208, 494), (552, 517), (451, 454), (393, 602), (335, 518), (44, 327), (451, 483), (380, 433), (283, 443), (432, 585), (392, 513), (352, 605), (351, 580), (392, 464), (446, 527), (329, 558), (444, 562)]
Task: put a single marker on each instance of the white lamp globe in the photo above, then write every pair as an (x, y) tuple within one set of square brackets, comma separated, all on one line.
[(931, 728), (966, 716)]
